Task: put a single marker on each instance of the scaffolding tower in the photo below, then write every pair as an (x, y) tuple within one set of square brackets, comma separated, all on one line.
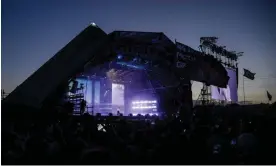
[(76, 98)]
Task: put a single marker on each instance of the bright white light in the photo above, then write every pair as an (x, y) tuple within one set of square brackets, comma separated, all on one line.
[(93, 24), (144, 107), (144, 102), (143, 114)]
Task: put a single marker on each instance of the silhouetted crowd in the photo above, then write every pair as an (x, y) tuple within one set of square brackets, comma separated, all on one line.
[(218, 135)]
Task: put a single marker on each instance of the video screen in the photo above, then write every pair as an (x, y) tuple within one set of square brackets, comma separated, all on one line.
[(227, 94), (118, 98), (144, 107)]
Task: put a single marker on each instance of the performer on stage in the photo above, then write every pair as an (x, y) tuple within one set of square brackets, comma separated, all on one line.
[(118, 111), (92, 113)]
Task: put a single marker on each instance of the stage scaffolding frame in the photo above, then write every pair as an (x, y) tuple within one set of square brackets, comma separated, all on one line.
[(208, 46)]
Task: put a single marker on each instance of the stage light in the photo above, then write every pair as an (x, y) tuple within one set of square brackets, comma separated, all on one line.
[(144, 107), (144, 102), (153, 114), (145, 114), (119, 56)]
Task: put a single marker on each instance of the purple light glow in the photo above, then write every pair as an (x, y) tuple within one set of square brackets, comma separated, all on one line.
[(143, 102), (118, 99), (143, 114), (144, 107)]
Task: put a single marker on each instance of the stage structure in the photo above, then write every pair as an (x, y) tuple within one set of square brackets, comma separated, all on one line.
[(3, 94), (229, 59), (144, 70)]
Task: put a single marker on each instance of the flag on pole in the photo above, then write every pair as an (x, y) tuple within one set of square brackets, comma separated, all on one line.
[(248, 74), (269, 96)]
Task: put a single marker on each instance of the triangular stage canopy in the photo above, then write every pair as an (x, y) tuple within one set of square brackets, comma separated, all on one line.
[(93, 47)]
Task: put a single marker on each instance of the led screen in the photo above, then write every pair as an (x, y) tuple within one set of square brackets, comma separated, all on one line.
[(229, 93), (97, 89), (144, 107), (118, 100)]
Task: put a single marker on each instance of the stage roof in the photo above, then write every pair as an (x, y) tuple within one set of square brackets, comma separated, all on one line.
[(93, 47)]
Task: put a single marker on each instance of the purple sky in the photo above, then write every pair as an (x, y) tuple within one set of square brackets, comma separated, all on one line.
[(34, 30)]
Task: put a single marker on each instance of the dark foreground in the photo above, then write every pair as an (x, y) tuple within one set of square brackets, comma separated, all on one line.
[(218, 136)]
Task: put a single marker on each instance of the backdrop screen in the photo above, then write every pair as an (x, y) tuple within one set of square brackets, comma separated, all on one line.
[(229, 93), (118, 100)]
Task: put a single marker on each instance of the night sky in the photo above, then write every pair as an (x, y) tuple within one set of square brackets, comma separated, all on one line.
[(34, 30)]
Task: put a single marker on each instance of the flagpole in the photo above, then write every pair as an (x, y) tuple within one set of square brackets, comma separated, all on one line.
[(243, 90), (267, 98)]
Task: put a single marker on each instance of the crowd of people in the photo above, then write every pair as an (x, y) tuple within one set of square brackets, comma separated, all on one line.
[(218, 135)]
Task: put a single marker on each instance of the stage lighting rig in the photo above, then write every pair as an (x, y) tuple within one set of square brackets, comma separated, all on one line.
[(208, 39), (208, 46), (239, 54)]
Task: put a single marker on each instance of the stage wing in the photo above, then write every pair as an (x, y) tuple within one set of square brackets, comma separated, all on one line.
[(45, 81), (199, 67)]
